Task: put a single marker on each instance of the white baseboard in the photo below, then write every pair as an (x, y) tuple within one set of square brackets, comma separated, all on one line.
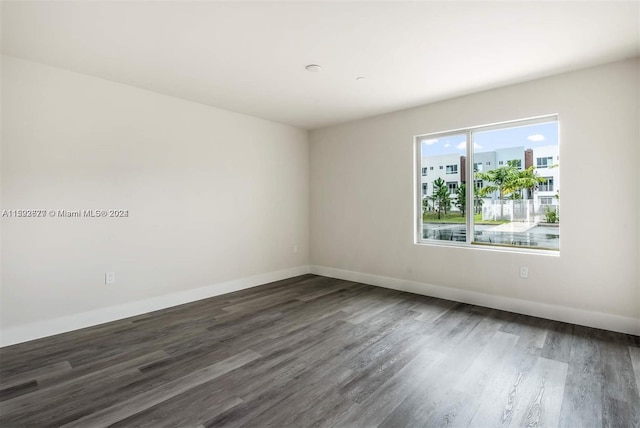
[(543, 310), (37, 330)]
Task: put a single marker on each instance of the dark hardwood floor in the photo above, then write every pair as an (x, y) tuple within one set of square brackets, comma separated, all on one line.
[(315, 351)]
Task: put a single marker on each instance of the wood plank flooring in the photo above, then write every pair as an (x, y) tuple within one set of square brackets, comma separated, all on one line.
[(314, 351)]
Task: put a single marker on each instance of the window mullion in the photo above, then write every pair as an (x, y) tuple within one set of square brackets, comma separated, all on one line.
[(418, 193), (470, 186)]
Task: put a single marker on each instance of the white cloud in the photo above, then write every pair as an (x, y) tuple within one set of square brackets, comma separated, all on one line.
[(447, 145), (536, 137), (463, 146), (430, 142)]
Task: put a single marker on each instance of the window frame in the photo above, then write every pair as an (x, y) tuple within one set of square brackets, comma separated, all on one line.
[(546, 198), (470, 190), (546, 188), (546, 166)]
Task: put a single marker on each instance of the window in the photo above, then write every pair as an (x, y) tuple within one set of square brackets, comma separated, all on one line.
[(424, 188), (430, 168), (502, 207), (424, 172), (546, 200), (545, 162), (546, 185)]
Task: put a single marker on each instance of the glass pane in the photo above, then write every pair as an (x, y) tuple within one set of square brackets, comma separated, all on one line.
[(517, 186), (443, 191)]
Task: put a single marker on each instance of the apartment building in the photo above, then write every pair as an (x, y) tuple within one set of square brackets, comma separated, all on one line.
[(452, 169)]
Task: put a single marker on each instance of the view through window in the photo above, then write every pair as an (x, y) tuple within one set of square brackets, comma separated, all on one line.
[(515, 196)]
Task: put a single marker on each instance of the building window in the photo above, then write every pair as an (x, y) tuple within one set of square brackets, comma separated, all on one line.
[(499, 195), (424, 188), (424, 172), (546, 185), (545, 162), (546, 200)]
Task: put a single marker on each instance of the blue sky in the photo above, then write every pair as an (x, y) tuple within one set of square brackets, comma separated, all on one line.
[(530, 136)]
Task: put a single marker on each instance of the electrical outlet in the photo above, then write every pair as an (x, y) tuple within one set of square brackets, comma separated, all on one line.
[(109, 277), (524, 272)]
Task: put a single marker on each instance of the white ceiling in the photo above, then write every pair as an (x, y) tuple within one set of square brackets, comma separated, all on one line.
[(250, 57)]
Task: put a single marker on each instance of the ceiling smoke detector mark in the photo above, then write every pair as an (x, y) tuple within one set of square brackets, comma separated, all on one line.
[(314, 68)]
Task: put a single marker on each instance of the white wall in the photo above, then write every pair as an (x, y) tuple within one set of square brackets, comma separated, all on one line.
[(362, 200), (213, 196), (217, 197)]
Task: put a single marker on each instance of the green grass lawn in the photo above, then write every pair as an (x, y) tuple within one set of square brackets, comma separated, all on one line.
[(430, 217)]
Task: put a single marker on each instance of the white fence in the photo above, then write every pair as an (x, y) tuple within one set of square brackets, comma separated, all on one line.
[(528, 210)]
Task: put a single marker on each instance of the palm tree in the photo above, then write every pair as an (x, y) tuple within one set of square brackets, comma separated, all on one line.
[(500, 180), (461, 201), (527, 179)]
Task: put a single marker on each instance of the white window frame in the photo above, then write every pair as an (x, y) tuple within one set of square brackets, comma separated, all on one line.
[(470, 190), (549, 161), (546, 198), (546, 184)]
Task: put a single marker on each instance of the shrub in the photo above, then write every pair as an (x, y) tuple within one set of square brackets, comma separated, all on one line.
[(550, 215)]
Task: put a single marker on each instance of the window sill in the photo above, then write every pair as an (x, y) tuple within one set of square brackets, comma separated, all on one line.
[(492, 248)]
